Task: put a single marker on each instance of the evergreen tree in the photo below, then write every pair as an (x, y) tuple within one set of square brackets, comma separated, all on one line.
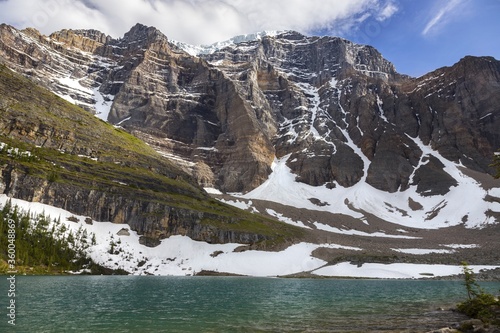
[(41, 245), (480, 305)]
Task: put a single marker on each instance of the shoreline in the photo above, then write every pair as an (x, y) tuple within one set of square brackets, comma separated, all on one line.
[(488, 276)]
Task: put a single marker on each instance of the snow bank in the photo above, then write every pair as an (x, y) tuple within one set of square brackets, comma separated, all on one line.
[(238, 204), (103, 104), (438, 211), (181, 256), (394, 271), (74, 84), (178, 255), (212, 190), (422, 251)]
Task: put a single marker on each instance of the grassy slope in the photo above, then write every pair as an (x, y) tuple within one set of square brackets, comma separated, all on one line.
[(125, 163)]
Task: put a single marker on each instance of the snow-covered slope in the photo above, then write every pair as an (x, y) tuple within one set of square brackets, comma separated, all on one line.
[(180, 255), (464, 205)]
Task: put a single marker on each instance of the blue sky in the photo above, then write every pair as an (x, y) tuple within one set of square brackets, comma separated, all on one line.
[(424, 35), (418, 36)]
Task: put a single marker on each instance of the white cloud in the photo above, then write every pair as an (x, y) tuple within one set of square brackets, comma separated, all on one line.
[(387, 11), (193, 21), (443, 15)]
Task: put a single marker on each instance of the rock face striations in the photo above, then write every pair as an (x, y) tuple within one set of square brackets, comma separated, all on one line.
[(59, 154), (339, 111)]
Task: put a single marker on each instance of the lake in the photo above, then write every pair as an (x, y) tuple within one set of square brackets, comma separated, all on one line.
[(229, 304)]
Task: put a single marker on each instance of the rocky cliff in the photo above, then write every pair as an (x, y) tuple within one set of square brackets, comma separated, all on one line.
[(338, 112), (58, 154), (346, 115)]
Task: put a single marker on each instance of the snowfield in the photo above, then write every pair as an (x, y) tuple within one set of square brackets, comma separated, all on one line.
[(438, 211), (182, 256), (393, 271)]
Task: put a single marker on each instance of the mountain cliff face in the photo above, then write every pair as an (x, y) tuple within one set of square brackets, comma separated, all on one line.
[(336, 114), (58, 154)]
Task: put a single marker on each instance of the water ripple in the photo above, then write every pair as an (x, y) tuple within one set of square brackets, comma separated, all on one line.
[(205, 304)]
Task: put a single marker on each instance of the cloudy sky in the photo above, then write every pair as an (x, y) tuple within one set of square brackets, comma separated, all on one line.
[(417, 36)]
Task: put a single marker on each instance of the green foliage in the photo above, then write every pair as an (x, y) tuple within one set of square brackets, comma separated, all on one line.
[(496, 164), (479, 305), (53, 177), (17, 154), (41, 246), (112, 245), (473, 289)]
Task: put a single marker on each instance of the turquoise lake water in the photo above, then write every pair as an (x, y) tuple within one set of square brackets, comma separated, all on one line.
[(229, 304)]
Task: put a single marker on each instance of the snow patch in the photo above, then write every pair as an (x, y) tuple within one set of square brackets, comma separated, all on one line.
[(462, 246), (74, 84), (394, 271), (66, 97), (238, 204), (422, 251), (285, 219), (212, 190), (352, 232), (103, 104)]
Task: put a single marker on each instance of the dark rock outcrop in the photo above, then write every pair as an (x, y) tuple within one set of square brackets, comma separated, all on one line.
[(151, 219)]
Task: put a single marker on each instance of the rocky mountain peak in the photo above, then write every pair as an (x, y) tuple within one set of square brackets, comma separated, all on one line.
[(467, 67), (321, 57), (142, 34), (84, 40), (291, 35), (486, 67), (32, 32), (201, 50), (91, 34), (4, 27)]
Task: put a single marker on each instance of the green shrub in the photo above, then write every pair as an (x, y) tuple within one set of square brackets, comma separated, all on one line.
[(53, 177), (479, 305)]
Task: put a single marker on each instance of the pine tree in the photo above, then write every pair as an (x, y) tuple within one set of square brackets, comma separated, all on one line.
[(39, 245)]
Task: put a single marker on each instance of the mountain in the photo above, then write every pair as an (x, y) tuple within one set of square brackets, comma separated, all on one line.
[(58, 154), (319, 132), (196, 50)]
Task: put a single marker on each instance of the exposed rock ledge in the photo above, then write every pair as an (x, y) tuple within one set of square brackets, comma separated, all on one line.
[(152, 219)]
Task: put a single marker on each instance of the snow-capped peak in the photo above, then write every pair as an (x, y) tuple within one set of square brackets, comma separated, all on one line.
[(196, 50)]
